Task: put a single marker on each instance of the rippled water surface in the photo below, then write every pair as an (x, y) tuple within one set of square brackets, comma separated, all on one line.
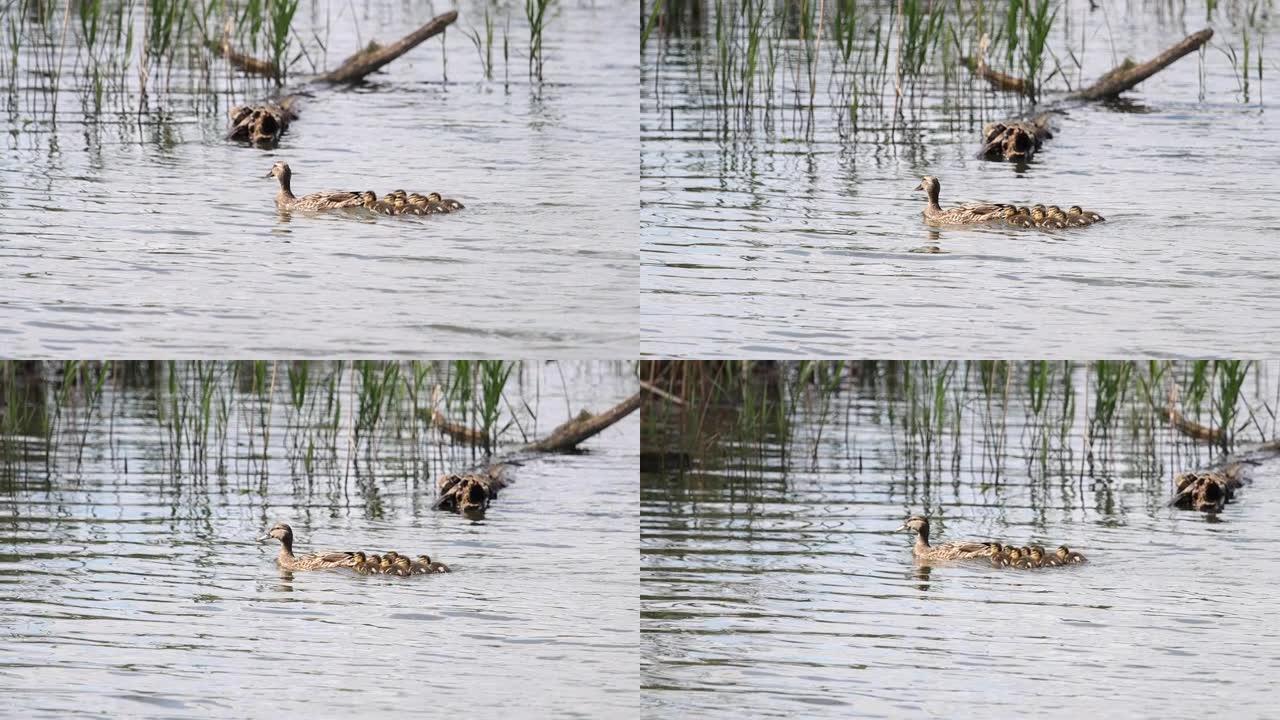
[(121, 231), (773, 579), (783, 238), (131, 591)]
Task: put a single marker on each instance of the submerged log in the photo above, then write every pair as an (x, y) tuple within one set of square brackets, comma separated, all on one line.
[(1189, 427), (241, 61), (1014, 140), (262, 125)]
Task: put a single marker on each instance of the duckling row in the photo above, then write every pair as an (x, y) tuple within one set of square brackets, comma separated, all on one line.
[(1032, 557), (1047, 217), (397, 202), (393, 563)]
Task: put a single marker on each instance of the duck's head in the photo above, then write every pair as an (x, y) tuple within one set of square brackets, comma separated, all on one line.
[(375, 558), (1075, 210), (1037, 553), (930, 185), (281, 532), (280, 171), (1062, 552), (1037, 213), (915, 523), (391, 555), (424, 559), (359, 556), (417, 198), (396, 194), (1015, 553), (997, 548), (368, 197), (403, 562)]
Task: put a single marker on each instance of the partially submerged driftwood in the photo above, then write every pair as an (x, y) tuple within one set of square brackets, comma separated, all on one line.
[(262, 125), (469, 494), (1189, 427), (1208, 491), (1013, 144)]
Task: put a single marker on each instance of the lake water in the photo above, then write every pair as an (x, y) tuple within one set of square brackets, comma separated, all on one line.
[(128, 590), (773, 578), (123, 232), (771, 240)]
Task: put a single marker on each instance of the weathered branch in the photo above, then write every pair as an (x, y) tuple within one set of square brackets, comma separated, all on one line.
[(1128, 74), (241, 61), (354, 68), (457, 431), (566, 437), (1000, 81), (1189, 427)]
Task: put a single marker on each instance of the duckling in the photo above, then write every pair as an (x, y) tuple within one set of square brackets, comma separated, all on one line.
[(328, 200), (1011, 557), (449, 204), (425, 565), (1087, 217), (998, 555), (385, 565), (1075, 217), (1056, 214), (372, 563), (1013, 217), (1067, 556), (403, 567), (359, 564), (369, 199)]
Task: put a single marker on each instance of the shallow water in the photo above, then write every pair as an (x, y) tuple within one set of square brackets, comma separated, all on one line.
[(123, 232), (770, 241), (136, 593), (773, 578)]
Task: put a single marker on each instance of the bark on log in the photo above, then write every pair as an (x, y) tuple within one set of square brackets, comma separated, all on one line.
[(354, 68), (469, 494), (1128, 74)]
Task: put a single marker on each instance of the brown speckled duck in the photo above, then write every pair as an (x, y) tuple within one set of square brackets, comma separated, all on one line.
[(970, 214), (316, 561), (327, 200), (947, 551)]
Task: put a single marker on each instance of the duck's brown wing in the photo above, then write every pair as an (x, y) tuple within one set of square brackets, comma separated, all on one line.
[(333, 198), (344, 558), (973, 549)]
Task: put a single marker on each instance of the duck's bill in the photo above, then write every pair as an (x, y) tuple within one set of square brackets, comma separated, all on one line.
[(269, 173), (265, 538), (920, 186), (904, 525)]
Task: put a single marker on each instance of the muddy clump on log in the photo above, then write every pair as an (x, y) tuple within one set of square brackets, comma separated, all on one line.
[(262, 125), (1016, 140), (469, 495), (1207, 491)]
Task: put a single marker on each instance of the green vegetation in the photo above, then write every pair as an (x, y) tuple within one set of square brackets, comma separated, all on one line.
[(210, 413), (942, 409)]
